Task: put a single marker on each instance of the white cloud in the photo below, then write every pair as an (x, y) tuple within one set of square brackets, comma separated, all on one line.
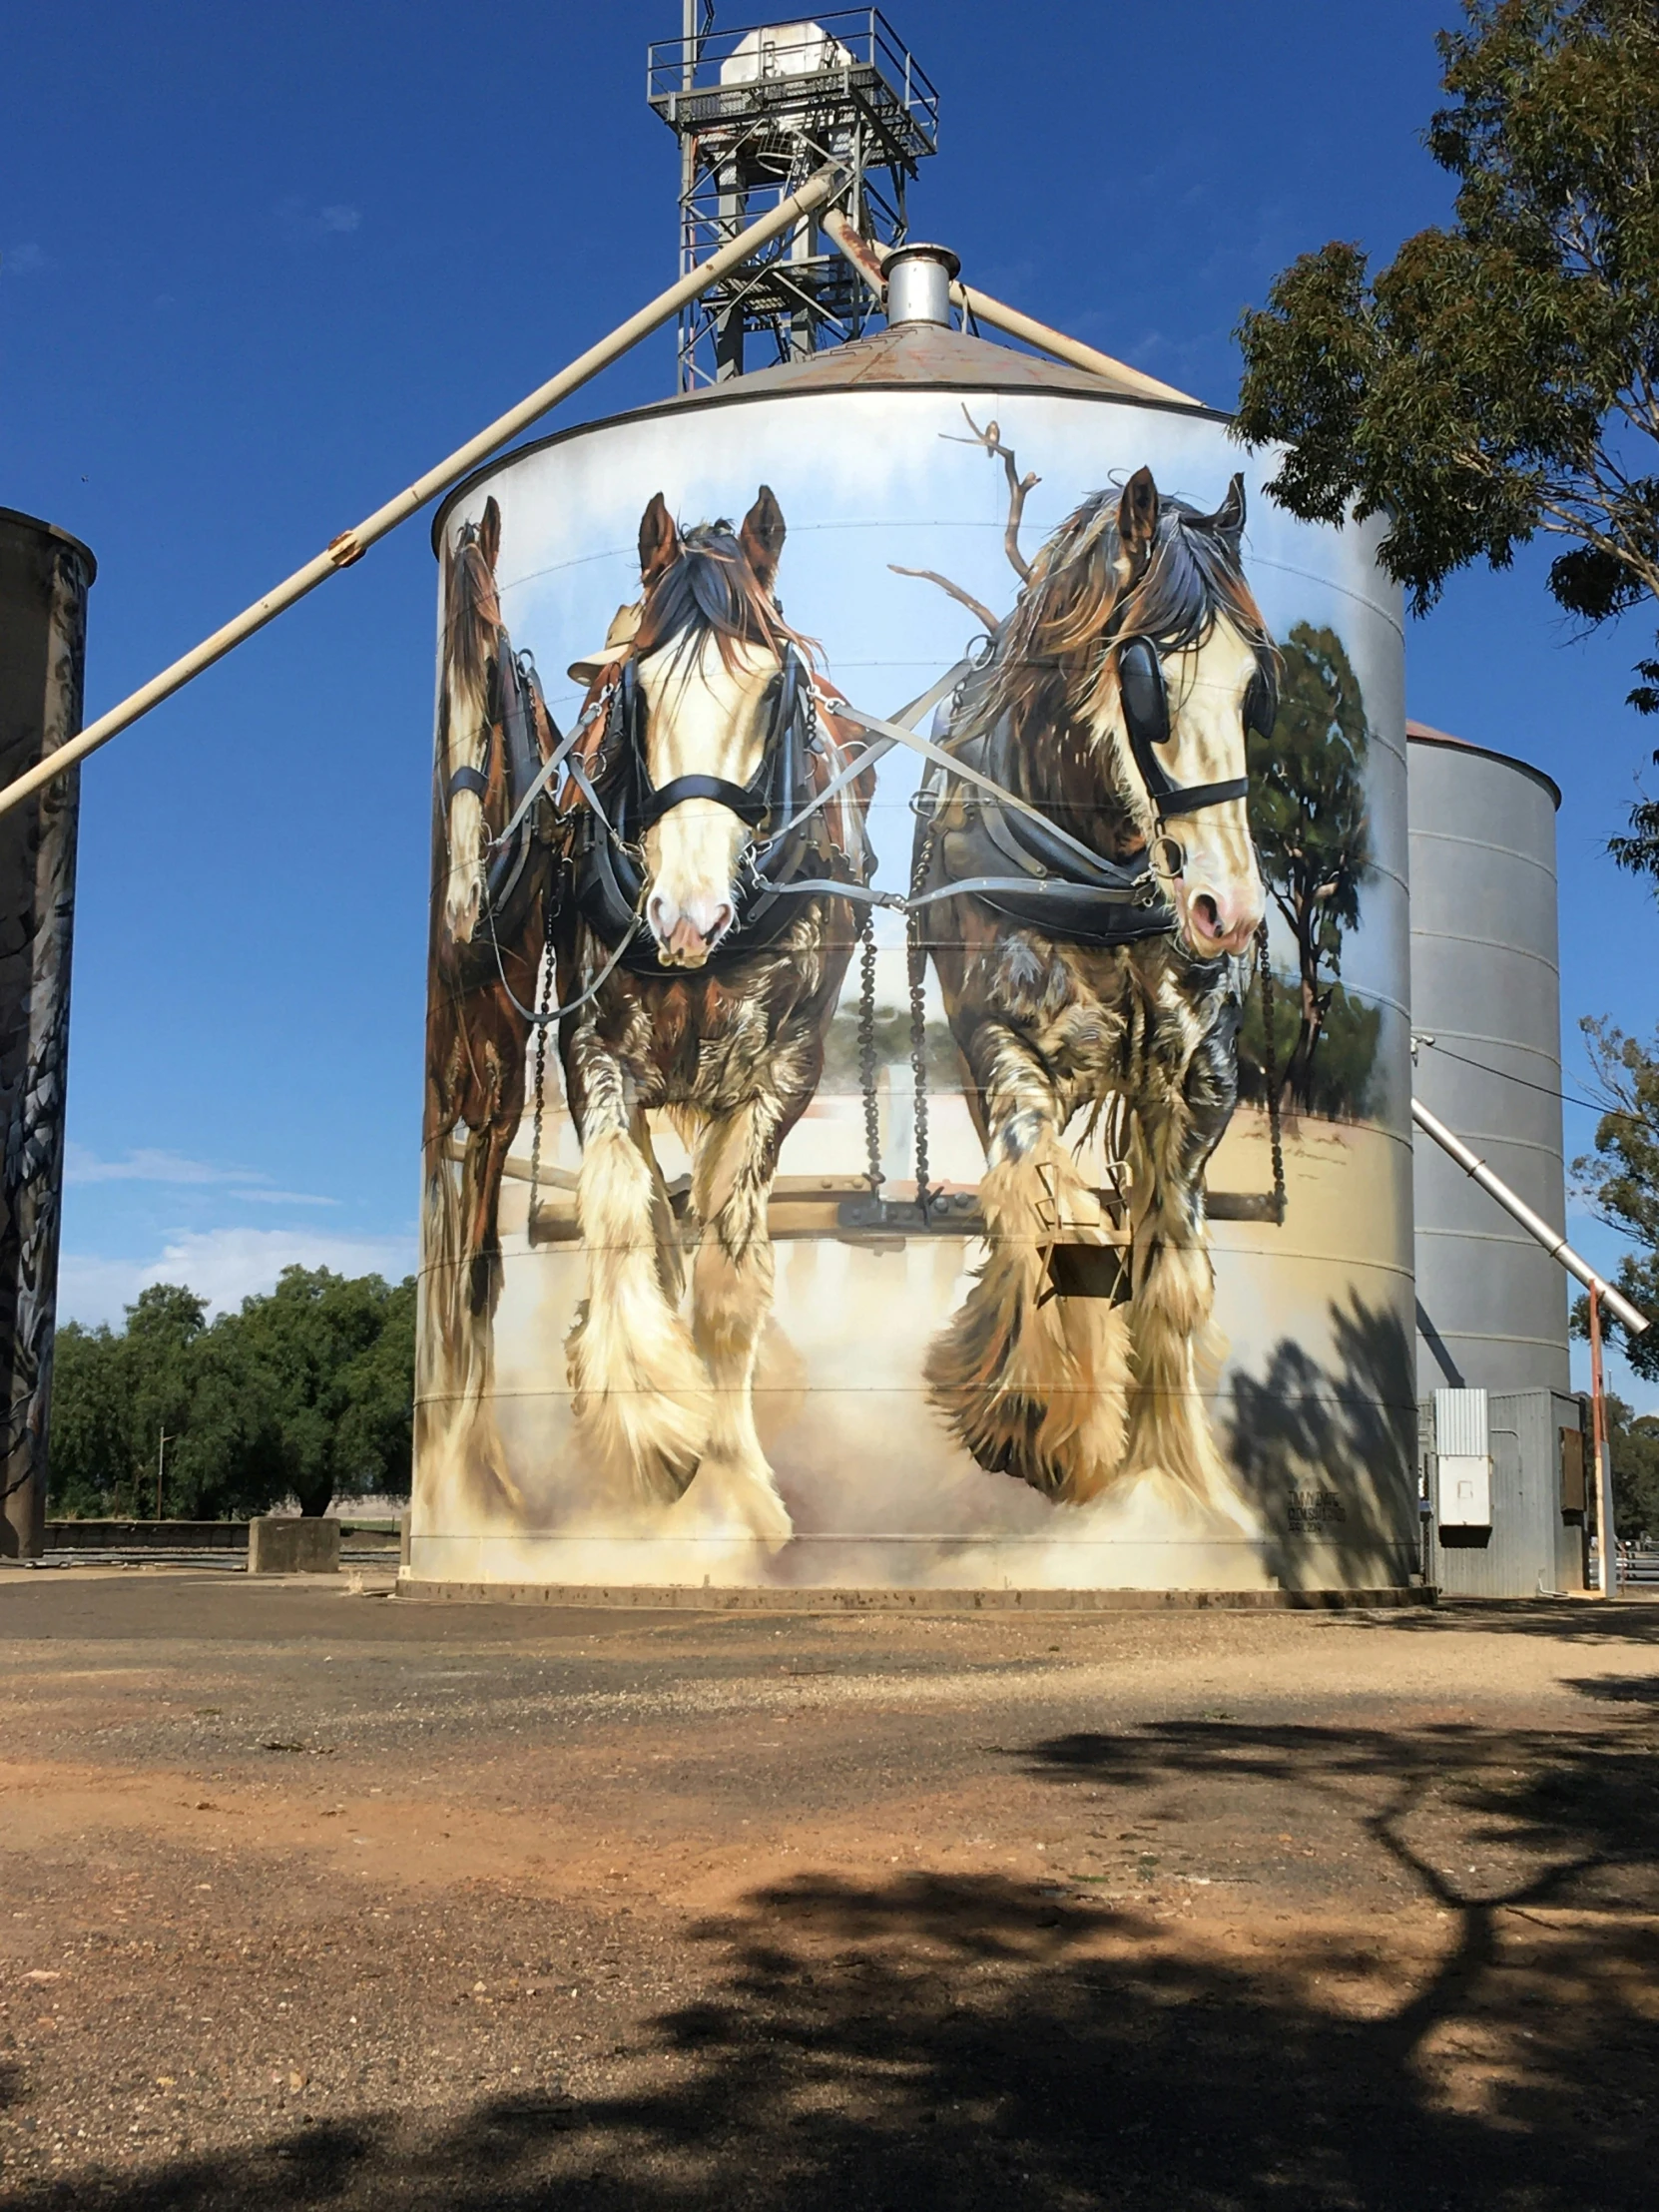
[(283, 1198), (299, 219), (147, 1165), (223, 1266)]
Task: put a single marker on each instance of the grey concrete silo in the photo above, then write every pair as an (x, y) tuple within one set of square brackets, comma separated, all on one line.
[(1486, 986)]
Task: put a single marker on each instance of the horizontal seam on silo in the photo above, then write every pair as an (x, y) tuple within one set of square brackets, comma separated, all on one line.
[(1308, 576), (1516, 1237), (1483, 844), (1503, 1139), (1488, 944), (1495, 1337), (1504, 1044)]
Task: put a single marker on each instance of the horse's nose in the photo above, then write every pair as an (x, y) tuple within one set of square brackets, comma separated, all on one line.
[(1218, 923), (689, 933), (461, 909)]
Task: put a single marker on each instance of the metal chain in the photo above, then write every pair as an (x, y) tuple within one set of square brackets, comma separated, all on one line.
[(866, 1051), (1270, 1067), (543, 1002), (917, 959)]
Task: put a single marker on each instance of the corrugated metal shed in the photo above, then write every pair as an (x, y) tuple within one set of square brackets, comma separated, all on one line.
[(1536, 1544)]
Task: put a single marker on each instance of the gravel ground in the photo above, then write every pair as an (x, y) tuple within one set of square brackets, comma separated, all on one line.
[(314, 1898)]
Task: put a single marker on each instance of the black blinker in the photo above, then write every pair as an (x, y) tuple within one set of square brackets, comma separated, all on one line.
[(1144, 693), (1261, 706)]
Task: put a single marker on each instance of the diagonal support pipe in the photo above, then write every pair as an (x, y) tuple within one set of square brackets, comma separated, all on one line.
[(1535, 1224), (866, 260), (352, 544)]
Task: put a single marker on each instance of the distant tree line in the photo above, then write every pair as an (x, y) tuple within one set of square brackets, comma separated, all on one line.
[(1633, 1453), (308, 1392)]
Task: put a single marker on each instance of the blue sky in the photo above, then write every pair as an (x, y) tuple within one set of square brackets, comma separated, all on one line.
[(261, 267)]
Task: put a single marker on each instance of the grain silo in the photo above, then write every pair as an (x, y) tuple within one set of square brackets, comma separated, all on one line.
[(850, 1164), (1486, 1005), (45, 576)]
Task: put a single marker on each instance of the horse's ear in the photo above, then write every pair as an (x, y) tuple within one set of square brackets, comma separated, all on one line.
[(762, 536), (1228, 521), (659, 539), (1138, 516), (489, 532)]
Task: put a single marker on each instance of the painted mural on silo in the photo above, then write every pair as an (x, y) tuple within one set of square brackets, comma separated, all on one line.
[(917, 1064)]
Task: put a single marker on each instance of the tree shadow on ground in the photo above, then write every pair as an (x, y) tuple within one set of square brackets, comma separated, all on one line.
[(1587, 1620), (977, 2040)]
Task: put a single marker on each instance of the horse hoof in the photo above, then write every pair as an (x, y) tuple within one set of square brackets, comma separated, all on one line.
[(1002, 1437), (736, 1503)]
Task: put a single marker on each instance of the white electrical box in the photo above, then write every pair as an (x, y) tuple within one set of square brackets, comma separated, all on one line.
[(1462, 1460)]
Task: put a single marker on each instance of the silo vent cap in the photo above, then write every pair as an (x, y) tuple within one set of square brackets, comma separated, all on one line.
[(918, 283)]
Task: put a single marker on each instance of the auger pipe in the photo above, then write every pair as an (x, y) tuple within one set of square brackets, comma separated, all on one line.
[(352, 544), (865, 258), (1535, 1224)]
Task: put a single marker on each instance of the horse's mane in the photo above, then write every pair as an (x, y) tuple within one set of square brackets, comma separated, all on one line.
[(471, 612), (709, 589), (1056, 650)]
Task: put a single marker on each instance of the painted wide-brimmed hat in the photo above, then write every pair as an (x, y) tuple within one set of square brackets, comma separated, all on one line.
[(618, 639)]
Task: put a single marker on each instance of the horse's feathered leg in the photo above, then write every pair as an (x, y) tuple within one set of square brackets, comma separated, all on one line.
[(1034, 1385), (641, 1391), (1182, 1112), (731, 1284), (459, 1448)]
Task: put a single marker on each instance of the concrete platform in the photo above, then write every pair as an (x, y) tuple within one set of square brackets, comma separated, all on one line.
[(771, 1599)]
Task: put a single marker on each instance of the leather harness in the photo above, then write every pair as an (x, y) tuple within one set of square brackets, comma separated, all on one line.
[(1061, 889), (789, 837)]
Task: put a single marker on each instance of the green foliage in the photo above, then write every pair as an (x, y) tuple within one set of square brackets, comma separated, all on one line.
[(1308, 813), (1339, 1083), (1633, 1453), (307, 1392), (1498, 380), (1621, 1176)]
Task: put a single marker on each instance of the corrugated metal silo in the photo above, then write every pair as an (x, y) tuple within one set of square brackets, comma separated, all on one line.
[(1486, 986)]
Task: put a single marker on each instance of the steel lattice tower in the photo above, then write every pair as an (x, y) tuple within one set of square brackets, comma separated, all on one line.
[(756, 110)]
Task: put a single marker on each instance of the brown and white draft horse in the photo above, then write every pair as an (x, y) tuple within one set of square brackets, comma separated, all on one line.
[(1115, 700), (488, 931), (716, 1014)]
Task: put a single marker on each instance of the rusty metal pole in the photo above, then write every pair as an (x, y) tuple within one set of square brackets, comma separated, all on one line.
[(1608, 1576), (44, 579)]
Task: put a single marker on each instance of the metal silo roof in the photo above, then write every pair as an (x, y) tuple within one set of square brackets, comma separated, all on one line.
[(916, 356), (919, 353)]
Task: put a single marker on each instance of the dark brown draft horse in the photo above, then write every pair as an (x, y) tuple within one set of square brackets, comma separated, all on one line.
[(1115, 700), (721, 986), (488, 929)]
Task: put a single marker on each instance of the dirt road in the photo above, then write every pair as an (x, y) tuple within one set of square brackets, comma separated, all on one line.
[(309, 1899)]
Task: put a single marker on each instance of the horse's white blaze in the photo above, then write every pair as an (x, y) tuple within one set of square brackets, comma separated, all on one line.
[(702, 719), (1219, 896), (463, 894)]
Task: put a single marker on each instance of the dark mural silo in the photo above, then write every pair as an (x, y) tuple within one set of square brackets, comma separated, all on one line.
[(44, 579)]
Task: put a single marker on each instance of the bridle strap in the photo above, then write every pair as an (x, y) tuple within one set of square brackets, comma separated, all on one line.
[(1191, 797), (467, 780), (749, 806), (1145, 700)]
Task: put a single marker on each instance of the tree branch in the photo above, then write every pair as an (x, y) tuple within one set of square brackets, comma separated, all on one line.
[(932, 576), (990, 438)]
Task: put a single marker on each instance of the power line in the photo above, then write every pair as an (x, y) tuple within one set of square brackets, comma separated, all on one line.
[(1545, 1090)]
